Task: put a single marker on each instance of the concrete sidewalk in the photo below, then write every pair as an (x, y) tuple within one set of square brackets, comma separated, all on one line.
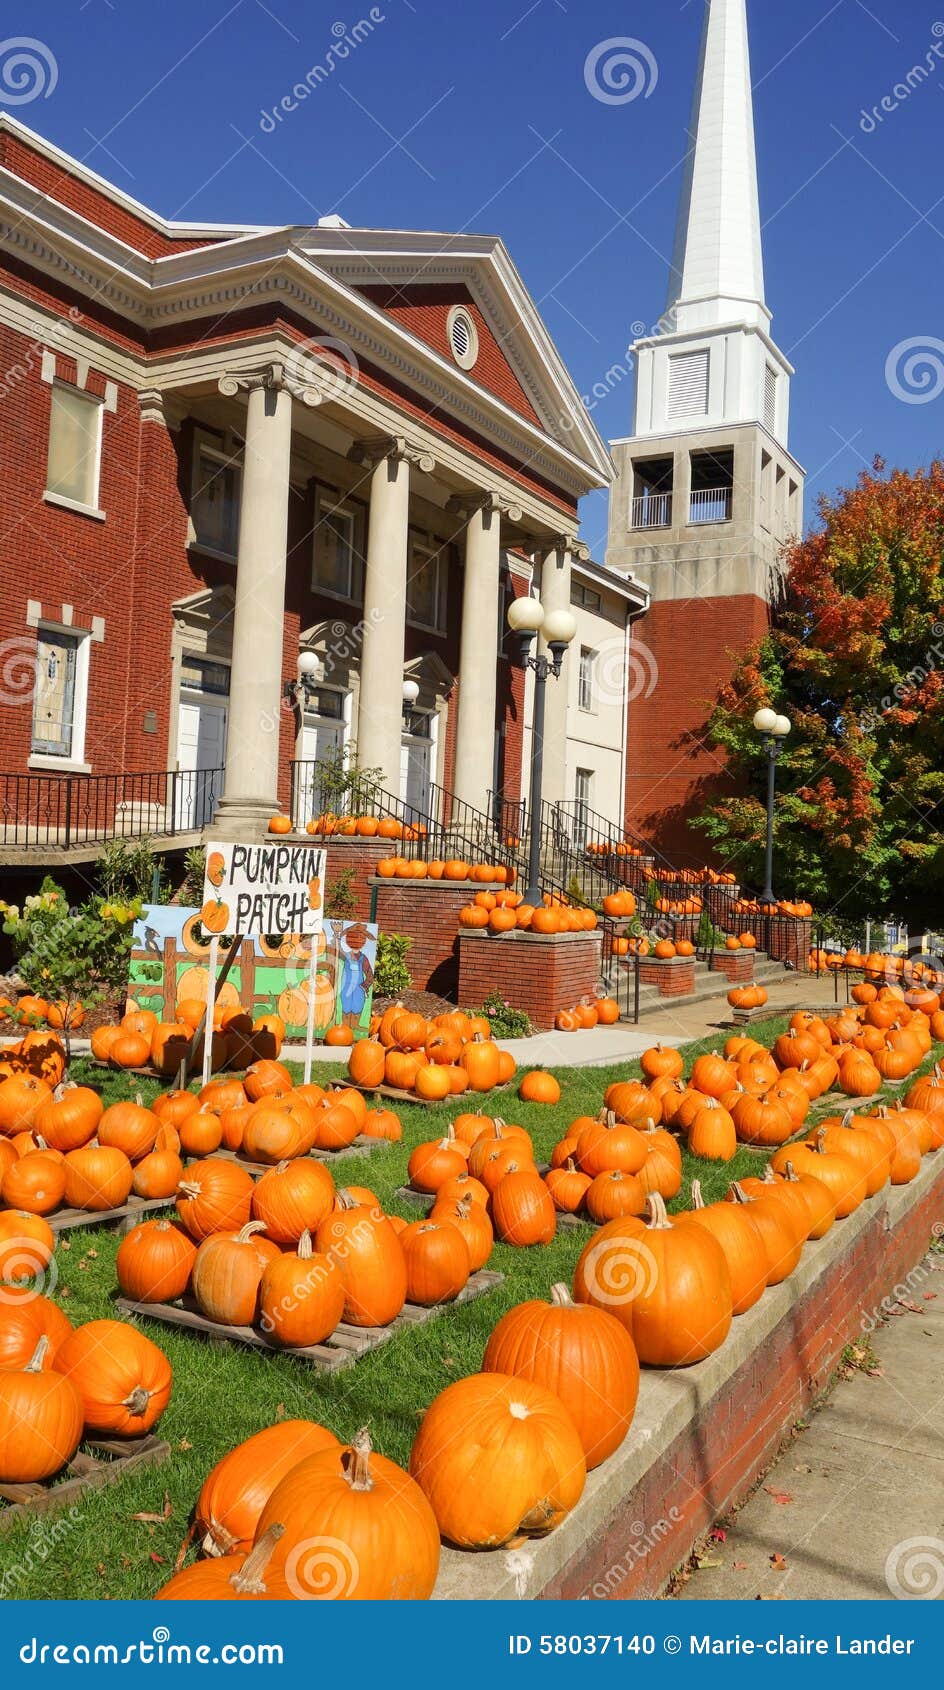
[(855, 1503)]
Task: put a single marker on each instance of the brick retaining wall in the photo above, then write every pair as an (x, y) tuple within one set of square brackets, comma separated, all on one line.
[(537, 972)]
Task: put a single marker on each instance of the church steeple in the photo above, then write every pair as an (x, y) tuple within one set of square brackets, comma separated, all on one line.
[(718, 265)]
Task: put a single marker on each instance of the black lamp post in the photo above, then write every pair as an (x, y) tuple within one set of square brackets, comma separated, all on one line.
[(527, 618), (773, 730)]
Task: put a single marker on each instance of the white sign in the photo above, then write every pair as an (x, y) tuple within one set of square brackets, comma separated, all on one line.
[(260, 889)]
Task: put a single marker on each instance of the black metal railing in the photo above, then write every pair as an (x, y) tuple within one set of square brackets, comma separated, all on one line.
[(509, 817), (67, 811)]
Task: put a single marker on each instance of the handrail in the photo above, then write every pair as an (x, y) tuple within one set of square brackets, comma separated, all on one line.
[(69, 810)]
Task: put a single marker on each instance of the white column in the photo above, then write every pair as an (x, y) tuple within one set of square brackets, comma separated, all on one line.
[(555, 595), (380, 702), (475, 724), (252, 738)]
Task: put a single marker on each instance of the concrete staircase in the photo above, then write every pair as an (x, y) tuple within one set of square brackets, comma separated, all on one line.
[(708, 987)]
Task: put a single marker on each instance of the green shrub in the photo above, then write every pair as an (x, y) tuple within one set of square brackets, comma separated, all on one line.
[(391, 975), (506, 1021)]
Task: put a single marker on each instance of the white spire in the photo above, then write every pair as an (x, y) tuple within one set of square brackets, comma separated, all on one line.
[(718, 266)]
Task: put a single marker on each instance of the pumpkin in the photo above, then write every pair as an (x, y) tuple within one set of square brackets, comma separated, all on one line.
[(266, 1079), (927, 1093), (782, 1235), (734, 1229), (463, 1185), (98, 1177), (21, 1097), (69, 1118), (384, 1124), (661, 1061), (433, 1163), (539, 1087), (301, 1296), (34, 1183), (27, 1317), (630, 1101), (613, 1194), (367, 1251), (712, 1134), (763, 1120), (129, 1049), (227, 1273), (154, 1262), (523, 1210), (216, 1196), (158, 1175), (497, 1456), (241, 1577), (867, 1140), (504, 1135), (473, 1223), (292, 1198), (335, 1124), (124, 1380), (272, 1133), (129, 1127), (356, 1528), (820, 1204), (41, 1420), (582, 1355), (26, 1245), (843, 1177), (568, 1186), (437, 1262), (661, 1172), (237, 1489), (712, 1074), (610, 1143), (480, 1061)]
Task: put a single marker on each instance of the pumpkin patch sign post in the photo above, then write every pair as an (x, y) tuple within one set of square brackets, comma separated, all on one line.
[(262, 890)]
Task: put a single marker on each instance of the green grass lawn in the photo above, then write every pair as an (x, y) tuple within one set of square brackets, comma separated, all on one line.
[(224, 1393)]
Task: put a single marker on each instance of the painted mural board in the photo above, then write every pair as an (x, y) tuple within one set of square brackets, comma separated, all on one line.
[(270, 974)]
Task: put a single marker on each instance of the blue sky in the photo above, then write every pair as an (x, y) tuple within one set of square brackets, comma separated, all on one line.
[(477, 116)]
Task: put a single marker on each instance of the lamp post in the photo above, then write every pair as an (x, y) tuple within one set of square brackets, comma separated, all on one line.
[(310, 674), (773, 730), (527, 618), (411, 693)]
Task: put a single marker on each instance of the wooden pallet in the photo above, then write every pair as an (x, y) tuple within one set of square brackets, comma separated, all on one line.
[(346, 1345), (362, 1146), (127, 1216), (85, 1472), (394, 1094)]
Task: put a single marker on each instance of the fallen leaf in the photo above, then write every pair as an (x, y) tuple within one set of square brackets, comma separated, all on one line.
[(739, 1566), (718, 1534), (159, 1560), (708, 1561), (280, 1411), (781, 1496), (185, 1444), (778, 1561), (875, 1372), (92, 1255), (802, 1467), (929, 1296), (157, 1519)]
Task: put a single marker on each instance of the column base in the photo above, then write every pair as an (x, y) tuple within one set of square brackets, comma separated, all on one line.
[(241, 818)]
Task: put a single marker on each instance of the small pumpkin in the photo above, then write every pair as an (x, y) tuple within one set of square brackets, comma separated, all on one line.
[(154, 1262), (301, 1296)]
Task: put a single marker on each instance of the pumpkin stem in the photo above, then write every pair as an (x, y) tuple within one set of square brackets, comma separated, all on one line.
[(561, 1297), (658, 1214), (137, 1400), (738, 1193), (790, 1174), (848, 1118), (345, 1200), (245, 1233), (697, 1199), (304, 1251), (464, 1206), (249, 1580), (361, 1448), (819, 1138), (190, 1187), (35, 1363), (572, 1166), (768, 1177)]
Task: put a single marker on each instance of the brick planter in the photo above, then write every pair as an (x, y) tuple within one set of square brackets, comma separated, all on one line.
[(537, 972), (360, 855), (702, 1435), (427, 912), (737, 965), (674, 976), (790, 941)]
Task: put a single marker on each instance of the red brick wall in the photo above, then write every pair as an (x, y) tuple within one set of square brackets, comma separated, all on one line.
[(675, 977), (539, 973), (424, 311), (428, 913), (732, 1436), (694, 647), (738, 966)]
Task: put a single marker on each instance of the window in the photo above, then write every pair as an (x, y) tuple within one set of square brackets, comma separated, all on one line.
[(424, 588), (332, 568), (214, 506), (583, 793), (75, 439), (688, 385), (770, 399), (585, 677), (586, 597), (463, 337), (59, 696)]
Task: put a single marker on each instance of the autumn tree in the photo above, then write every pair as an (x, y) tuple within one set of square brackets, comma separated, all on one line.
[(855, 656)]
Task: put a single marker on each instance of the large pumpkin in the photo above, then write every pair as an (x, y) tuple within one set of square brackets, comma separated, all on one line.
[(237, 1489), (69, 1118), (41, 1420), (357, 1528), (216, 1196), (27, 1317), (27, 1243), (154, 1262), (732, 1226), (437, 1262), (124, 1380), (367, 1251), (292, 1198), (523, 1211), (98, 1177), (497, 1456), (581, 1354), (227, 1273), (301, 1296)]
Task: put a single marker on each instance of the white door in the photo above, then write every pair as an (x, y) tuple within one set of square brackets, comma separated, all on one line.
[(321, 738), (201, 748), (416, 759)]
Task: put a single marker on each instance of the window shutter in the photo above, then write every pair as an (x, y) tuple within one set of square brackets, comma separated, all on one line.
[(770, 399), (688, 385)]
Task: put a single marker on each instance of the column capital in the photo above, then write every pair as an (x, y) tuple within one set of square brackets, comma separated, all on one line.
[(274, 378), (568, 543), (466, 504), (386, 447)]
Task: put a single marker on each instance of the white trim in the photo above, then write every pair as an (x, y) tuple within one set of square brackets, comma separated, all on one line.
[(58, 765), (75, 762), (73, 505), (461, 314), (91, 507)]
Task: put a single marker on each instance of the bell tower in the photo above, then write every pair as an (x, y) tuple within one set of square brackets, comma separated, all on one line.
[(707, 491)]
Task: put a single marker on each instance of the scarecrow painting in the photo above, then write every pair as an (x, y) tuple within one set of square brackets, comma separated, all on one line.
[(355, 949)]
